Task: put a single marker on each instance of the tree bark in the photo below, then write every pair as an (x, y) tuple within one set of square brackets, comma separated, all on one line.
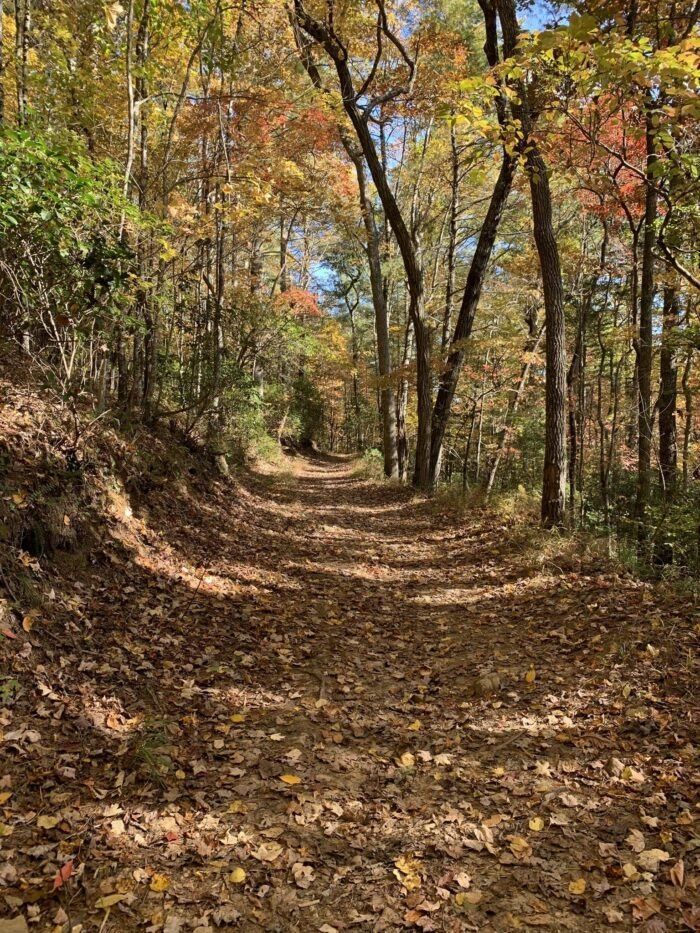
[(668, 443), (23, 19), (554, 473), (477, 270), (645, 339), (465, 320)]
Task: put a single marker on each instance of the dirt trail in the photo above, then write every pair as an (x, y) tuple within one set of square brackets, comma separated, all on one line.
[(310, 702)]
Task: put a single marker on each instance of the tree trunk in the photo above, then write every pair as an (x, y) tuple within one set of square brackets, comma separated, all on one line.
[(477, 270), (645, 355), (574, 379), (452, 241), (554, 476), (2, 65), (465, 320), (668, 444), (23, 19)]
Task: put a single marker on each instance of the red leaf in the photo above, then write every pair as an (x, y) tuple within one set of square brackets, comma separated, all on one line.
[(62, 875)]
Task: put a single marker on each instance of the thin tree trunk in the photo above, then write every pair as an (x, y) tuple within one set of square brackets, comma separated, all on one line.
[(23, 19), (477, 270), (668, 444), (645, 356), (452, 240), (2, 65), (687, 415)]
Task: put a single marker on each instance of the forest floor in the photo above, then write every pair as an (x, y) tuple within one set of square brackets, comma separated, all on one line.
[(306, 701)]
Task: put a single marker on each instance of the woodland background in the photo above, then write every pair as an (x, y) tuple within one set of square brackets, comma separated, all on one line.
[(201, 226)]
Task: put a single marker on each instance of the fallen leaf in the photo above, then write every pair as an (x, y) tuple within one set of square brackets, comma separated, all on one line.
[(677, 873), (578, 886), (62, 875), (17, 925), (159, 883), (109, 900), (47, 822), (650, 859), (468, 897), (536, 824), (268, 851), (238, 875), (290, 779), (635, 840), (303, 874)]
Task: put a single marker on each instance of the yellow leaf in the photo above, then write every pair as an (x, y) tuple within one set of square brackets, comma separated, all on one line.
[(180, 774), (47, 822), (578, 886), (536, 824), (237, 807), (5, 796), (6, 830), (530, 675), (407, 760), (159, 883), (238, 717), (407, 864), (415, 725), (27, 623), (237, 876), (290, 779), (109, 900)]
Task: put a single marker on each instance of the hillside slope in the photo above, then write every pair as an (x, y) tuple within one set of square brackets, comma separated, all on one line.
[(300, 700)]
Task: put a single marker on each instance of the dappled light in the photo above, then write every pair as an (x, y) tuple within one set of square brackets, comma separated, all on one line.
[(349, 466)]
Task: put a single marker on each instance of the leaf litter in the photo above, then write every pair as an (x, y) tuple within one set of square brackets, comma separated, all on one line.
[(309, 702)]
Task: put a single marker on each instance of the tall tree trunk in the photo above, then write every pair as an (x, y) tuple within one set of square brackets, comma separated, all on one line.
[(554, 474), (465, 320), (645, 338), (574, 378), (402, 405), (2, 65), (668, 444), (687, 415), (452, 240), (23, 20), (477, 270)]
